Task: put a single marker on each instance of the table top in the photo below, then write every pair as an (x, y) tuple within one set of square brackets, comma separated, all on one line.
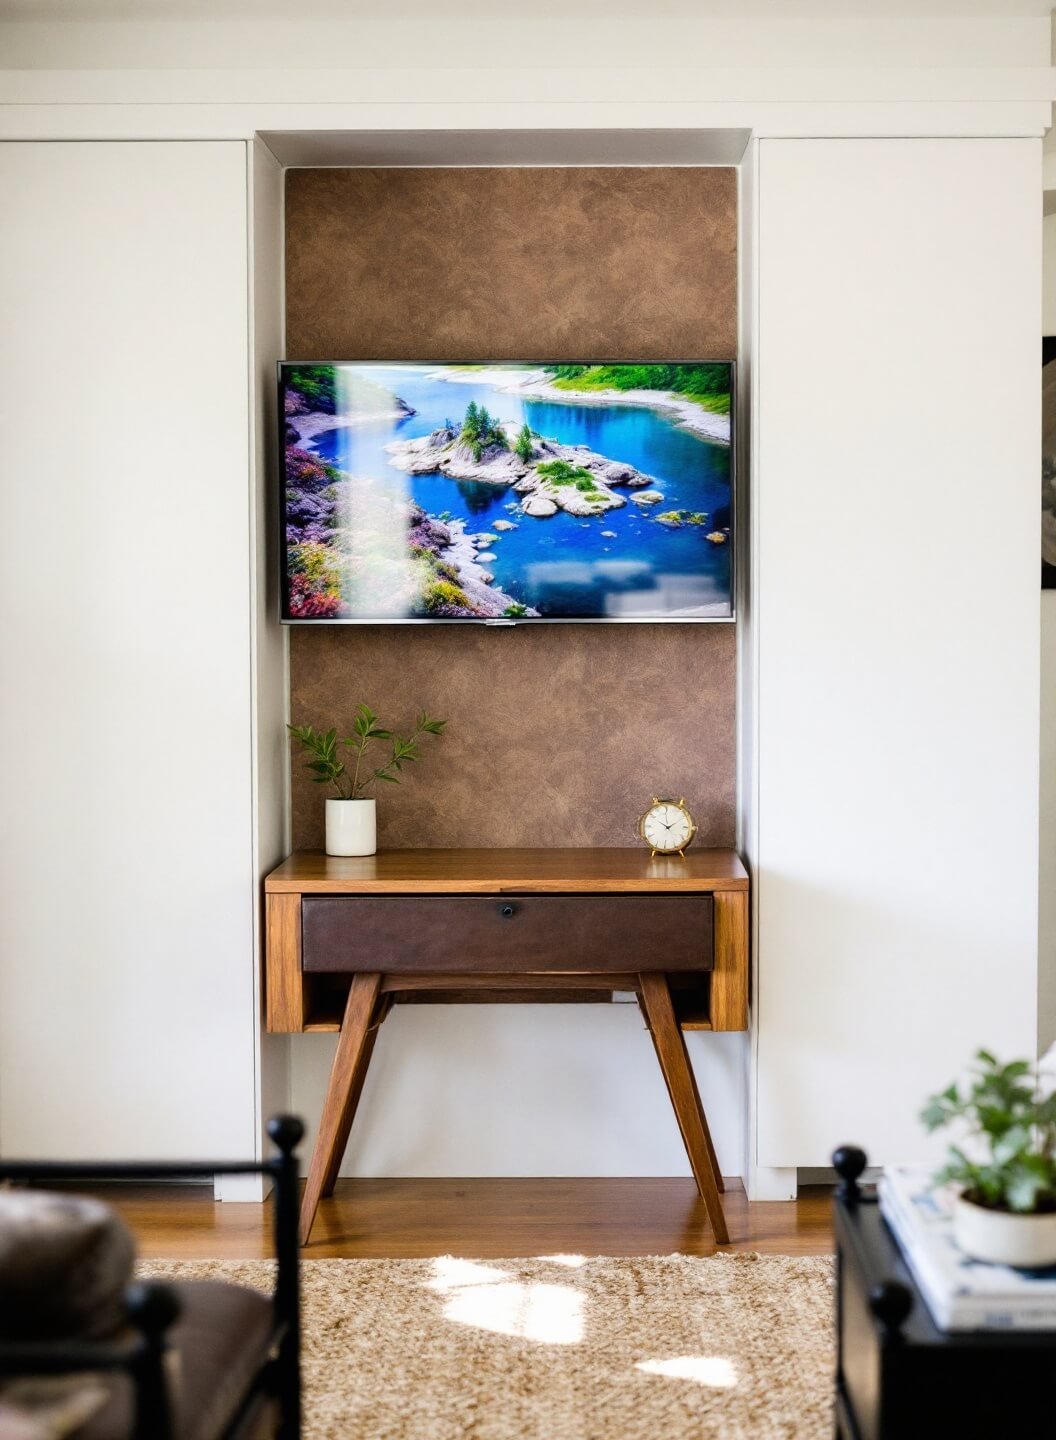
[(454, 872)]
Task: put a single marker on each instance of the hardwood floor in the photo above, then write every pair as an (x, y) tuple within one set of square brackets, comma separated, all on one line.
[(485, 1218)]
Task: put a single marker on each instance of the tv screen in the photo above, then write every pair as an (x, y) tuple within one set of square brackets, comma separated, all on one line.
[(506, 492)]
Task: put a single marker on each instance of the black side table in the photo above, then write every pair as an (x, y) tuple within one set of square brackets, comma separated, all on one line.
[(898, 1377)]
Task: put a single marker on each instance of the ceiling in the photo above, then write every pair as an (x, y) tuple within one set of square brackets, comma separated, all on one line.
[(610, 10)]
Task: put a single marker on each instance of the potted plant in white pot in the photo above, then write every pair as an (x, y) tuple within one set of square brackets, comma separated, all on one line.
[(1005, 1168), (351, 816)]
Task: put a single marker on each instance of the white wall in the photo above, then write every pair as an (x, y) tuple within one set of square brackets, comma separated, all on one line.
[(558, 67), (524, 1090), (127, 1015), (758, 1185), (414, 36), (895, 486), (1047, 867), (270, 650)]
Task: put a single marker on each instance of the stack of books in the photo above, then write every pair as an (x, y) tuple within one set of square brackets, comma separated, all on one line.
[(961, 1293)]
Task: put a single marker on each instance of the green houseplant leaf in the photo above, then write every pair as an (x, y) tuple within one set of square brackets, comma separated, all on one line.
[(1007, 1159)]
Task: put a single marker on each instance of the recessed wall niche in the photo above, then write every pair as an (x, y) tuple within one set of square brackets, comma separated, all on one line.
[(558, 733)]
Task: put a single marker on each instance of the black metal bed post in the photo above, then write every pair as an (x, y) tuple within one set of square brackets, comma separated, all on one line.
[(849, 1163), (287, 1132), (152, 1309)]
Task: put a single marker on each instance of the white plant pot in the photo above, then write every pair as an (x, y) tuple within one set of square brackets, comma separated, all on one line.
[(351, 827), (1003, 1238)]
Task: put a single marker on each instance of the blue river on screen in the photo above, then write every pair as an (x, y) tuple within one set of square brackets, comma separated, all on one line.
[(564, 565)]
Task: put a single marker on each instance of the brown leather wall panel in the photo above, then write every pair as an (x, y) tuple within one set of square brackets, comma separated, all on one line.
[(461, 935), (578, 264), (559, 734)]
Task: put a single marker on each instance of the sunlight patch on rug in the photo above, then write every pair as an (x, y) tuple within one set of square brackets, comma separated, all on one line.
[(711, 1370), (488, 1298)]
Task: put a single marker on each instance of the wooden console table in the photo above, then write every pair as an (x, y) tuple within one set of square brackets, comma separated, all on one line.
[(347, 938)]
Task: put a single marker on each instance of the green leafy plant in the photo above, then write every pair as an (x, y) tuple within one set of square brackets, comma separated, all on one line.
[(523, 444), (328, 765), (480, 429), (1011, 1126), (315, 383), (707, 385), (562, 473)]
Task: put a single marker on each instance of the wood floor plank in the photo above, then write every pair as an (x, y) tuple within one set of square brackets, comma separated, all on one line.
[(485, 1218)]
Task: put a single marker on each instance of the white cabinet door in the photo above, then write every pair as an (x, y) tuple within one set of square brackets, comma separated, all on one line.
[(127, 1023), (896, 600)]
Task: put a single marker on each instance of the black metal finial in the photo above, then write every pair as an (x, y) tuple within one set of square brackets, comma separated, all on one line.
[(891, 1302), (849, 1162), (152, 1308), (287, 1131)]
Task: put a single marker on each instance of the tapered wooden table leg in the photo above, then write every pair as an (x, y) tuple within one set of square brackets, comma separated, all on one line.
[(354, 1046), (719, 1183), (381, 1010), (655, 998)]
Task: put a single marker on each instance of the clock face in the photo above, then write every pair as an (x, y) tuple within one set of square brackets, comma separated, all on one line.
[(667, 826)]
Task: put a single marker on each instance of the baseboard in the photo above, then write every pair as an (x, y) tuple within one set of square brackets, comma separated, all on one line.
[(770, 1183), (246, 1189)]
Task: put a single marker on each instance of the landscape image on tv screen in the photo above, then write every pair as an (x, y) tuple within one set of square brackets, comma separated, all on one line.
[(507, 491)]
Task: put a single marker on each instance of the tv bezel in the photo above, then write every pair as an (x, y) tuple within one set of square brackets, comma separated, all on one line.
[(503, 620)]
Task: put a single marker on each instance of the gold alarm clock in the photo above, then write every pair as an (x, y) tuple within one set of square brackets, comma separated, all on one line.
[(667, 827)]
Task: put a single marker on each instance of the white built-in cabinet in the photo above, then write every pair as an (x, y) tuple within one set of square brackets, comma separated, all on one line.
[(128, 646), (896, 424)]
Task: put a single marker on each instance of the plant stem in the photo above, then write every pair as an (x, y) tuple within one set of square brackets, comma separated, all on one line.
[(359, 757)]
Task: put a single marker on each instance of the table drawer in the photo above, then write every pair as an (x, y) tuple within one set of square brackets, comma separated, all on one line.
[(506, 933)]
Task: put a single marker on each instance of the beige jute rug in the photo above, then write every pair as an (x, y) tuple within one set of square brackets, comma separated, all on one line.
[(560, 1347)]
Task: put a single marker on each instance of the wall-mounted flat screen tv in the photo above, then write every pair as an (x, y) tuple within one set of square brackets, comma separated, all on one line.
[(506, 492)]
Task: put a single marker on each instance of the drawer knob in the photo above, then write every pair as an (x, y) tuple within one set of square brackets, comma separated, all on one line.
[(507, 911)]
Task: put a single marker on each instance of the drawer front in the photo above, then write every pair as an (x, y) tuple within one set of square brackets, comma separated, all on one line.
[(496, 934)]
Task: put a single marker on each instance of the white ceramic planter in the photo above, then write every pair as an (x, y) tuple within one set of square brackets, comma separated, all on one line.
[(1002, 1238), (351, 827)]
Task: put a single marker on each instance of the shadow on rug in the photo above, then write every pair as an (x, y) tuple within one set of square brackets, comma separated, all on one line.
[(560, 1347)]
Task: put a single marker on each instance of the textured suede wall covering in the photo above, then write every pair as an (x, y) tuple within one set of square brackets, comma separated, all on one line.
[(558, 734), (511, 264)]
